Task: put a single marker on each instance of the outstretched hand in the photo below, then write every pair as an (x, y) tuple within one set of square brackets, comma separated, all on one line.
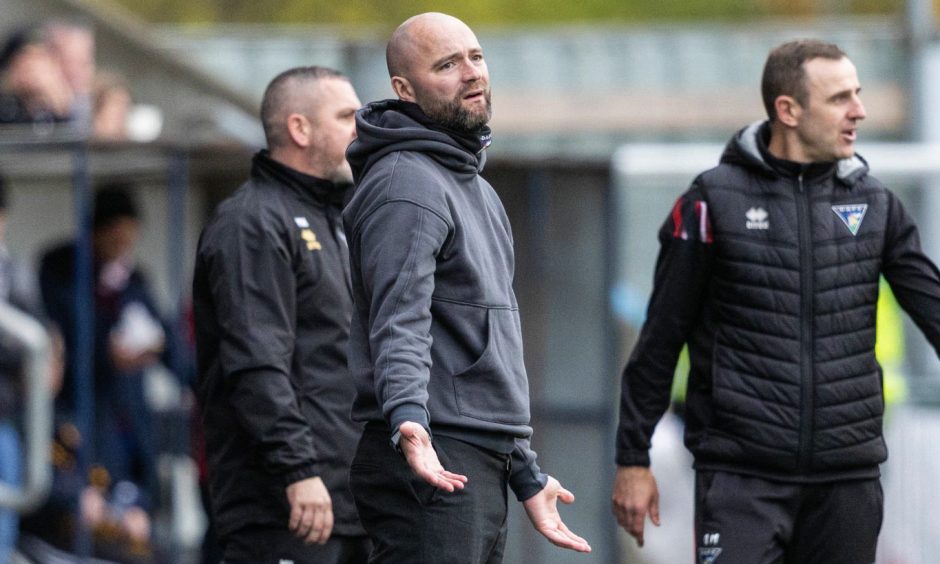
[(635, 494), (415, 444), (543, 512)]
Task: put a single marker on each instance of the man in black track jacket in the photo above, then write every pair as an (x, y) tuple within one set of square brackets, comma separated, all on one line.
[(436, 344), (272, 304), (769, 270)]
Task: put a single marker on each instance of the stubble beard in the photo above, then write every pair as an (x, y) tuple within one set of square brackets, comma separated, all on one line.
[(331, 164), (452, 115), (343, 174)]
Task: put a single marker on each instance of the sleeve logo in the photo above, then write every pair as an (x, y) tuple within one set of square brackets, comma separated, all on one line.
[(310, 237), (709, 550)]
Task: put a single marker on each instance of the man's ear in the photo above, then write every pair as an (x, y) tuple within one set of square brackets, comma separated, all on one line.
[(299, 129), (788, 110), (403, 89)]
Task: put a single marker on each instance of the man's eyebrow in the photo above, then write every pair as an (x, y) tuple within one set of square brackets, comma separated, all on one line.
[(472, 51), (447, 57), (845, 92)]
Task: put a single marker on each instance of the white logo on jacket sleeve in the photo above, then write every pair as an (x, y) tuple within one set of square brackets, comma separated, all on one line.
[(851, 215), (709, 550), (302, 222), (757, 219)]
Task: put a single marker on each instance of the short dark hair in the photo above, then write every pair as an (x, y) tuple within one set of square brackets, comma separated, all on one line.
[(785, 73), (113, 202), (277, 96)]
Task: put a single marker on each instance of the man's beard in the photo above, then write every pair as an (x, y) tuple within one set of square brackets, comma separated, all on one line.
[(343, 175), (452, 115)]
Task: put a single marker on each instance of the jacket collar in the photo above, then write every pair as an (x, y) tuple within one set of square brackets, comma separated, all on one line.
[(750, 145), (316, 190)]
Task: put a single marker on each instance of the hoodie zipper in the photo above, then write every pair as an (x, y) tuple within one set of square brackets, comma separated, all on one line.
[(807, 395)]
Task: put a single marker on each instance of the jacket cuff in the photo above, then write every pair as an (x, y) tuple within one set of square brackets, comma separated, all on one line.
[(409, 412), (301, 473), (526, 484), (633, 458)]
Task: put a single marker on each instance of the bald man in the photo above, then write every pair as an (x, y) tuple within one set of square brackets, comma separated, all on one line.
[(272, 305), (436, 344)]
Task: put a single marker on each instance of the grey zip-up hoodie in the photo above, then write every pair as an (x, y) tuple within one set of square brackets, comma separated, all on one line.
[(436, 336)]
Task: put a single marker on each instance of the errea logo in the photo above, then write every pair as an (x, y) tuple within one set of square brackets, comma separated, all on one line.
[(757, 219), (709, 550)]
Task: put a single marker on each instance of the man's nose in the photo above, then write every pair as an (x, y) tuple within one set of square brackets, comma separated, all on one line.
[(472, 72), (858, 109)]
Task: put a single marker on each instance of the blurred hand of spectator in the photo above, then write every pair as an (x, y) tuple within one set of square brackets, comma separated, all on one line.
[(33, 76), (129, 360), (73, 47), (136, 524), (94, 506), (111, 108), (39, 82)]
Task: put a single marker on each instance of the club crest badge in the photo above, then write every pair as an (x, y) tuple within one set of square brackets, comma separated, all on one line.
[(708, 555), (851, 215)]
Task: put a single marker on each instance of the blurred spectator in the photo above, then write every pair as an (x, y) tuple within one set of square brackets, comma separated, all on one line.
[(128, 339), (18, 289), (33, 87), (72, 45), (111, 109)]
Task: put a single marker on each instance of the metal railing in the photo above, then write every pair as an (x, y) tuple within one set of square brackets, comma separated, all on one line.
[(67, 157), (37, 415)]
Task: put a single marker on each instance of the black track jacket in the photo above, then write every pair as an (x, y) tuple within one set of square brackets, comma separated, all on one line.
[(769, 271), (272, 304)]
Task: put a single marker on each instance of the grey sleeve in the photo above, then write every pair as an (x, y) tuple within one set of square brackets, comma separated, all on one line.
[(398, 245)]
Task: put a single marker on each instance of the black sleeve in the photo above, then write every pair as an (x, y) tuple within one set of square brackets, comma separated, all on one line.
[(913, 277), (679, 285), (252, 283)]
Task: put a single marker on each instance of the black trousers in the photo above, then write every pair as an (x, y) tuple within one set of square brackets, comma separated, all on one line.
[(743, 519), (410, 521), (268, 545)]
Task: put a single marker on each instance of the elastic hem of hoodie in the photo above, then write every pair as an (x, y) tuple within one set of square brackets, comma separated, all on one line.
[(524, 482), (496, 442), (416, 413)]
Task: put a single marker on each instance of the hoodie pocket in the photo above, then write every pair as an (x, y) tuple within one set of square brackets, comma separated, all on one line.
[(495, 388)]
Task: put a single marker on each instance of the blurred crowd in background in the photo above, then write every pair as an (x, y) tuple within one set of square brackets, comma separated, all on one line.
[(49, 79), (50, 83)]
